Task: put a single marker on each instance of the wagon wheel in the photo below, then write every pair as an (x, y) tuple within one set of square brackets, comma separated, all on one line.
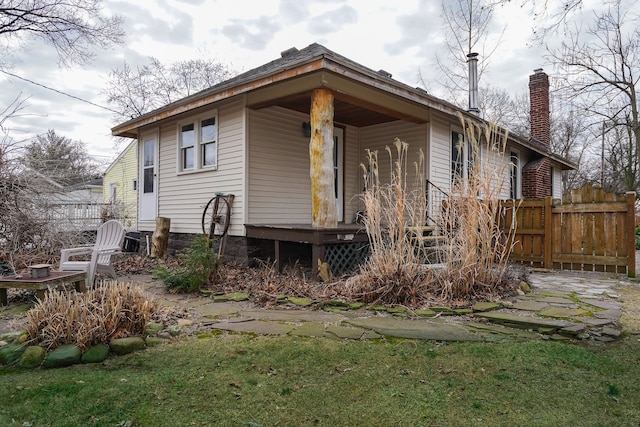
[(216, 217)]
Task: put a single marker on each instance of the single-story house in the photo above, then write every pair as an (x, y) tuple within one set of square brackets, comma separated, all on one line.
[(120, 181), (270, 135)]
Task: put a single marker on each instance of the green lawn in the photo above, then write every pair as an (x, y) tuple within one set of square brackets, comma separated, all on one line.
[(245, 380)]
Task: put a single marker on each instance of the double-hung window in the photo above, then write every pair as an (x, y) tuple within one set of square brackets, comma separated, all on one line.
[(465, 157), (198, 143), (514, 192)]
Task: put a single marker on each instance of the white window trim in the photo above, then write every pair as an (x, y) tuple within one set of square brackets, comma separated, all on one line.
[(198, 161), (466, 148), (518, 171)]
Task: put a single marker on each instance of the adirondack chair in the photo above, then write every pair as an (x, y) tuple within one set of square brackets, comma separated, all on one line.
[(109, 239)]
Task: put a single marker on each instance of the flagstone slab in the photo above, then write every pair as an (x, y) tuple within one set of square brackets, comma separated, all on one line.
[(562, 312), (594, 321), (415, 329), (217, 310), (605, 305), (525, 322), (255, 326), (485, 306), (293, 315), (529, 305), (344, 332), (608, 314), (309, 329), (553, 300), (502, 330)]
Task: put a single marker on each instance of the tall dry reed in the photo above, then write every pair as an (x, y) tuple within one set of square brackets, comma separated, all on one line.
[(392, 273), (475, 256)]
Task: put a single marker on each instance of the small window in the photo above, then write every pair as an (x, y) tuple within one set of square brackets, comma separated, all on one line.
[(113, 192), (187, 140), (208, 136), (514, 192), (198, 144), (457, 156)]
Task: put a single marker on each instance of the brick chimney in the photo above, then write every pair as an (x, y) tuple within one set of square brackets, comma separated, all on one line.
[(539, 103), (536, 174)]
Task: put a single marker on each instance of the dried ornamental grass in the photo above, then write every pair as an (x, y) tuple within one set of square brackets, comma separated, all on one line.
[(110, 310), (393, 273), (476, 255)]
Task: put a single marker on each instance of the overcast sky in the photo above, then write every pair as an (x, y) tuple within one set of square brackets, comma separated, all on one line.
[(399, 37)]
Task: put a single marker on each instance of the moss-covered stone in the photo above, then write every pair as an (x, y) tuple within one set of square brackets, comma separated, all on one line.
[(96, 354), (32, 357), (425, 313), (442, 309), (356, 305), (483, 306), (11, 353), (338, 303), (524, 287), (396, 310), (302, 302), (462, 311), (153, 328), (65, 355), (238, 296), (127, 345), (174, 330), (11, 337)]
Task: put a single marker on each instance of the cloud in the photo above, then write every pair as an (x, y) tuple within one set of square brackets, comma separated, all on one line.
[(332, 21), (253, 34), (168, 24), (419, 31), (293, 11)]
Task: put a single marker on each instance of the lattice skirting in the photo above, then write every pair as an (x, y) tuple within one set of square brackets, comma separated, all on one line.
[(345, 257)]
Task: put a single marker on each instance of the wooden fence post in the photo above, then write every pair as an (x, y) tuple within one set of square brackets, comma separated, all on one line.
[(548, 233), (631, 234)]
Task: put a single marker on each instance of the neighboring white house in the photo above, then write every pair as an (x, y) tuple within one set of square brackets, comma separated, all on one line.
[(120, 186), (249, 136)]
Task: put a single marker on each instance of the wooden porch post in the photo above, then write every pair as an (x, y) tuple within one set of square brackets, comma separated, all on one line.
[(323, 199)]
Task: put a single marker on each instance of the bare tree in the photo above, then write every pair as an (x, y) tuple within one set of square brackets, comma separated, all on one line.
[(467, 26), (134, 92), (72, 27), (600, 68)]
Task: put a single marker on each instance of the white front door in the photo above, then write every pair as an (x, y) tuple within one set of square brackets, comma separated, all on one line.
[(338, 170), (148, 188)]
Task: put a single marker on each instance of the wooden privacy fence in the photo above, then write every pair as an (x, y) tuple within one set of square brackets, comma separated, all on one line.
[(590, 230)]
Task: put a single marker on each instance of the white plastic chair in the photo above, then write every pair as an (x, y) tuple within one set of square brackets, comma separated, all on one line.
[(109, 239)]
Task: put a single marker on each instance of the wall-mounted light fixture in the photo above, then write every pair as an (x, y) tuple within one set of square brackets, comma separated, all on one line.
[(306, 129)]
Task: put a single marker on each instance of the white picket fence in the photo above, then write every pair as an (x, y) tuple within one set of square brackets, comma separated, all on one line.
[(80, 216)]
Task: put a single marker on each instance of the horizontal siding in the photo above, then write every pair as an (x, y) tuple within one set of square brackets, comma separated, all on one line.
[(380, 136), (353, 181), (440, 155), (279, 185), (123, 172), (182, 197)]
